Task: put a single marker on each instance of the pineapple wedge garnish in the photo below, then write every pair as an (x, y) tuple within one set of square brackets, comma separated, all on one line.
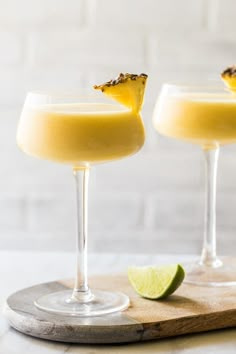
[(127, 89), (229, 77)]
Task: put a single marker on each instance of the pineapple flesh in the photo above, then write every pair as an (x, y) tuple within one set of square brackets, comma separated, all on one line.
[(229, 77), (127, 89)]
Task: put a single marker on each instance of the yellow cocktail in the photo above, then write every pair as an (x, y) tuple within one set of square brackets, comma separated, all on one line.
[(80, 134), (206, 116), (202, 118), (82, 131)]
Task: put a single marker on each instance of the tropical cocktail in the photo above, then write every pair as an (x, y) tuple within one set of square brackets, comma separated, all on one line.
[(83, 131), (203, 115)]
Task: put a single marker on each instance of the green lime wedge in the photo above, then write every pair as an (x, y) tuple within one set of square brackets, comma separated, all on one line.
[(156, 282)]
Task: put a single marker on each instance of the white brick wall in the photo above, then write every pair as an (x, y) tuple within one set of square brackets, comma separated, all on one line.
[(160, 14), (27, 14), (180, 211), (11, 49), (152, 202), (85, 50), (224, 17), (193, 52)]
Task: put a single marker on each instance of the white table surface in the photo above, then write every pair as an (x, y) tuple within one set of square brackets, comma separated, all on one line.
[(22, 269)]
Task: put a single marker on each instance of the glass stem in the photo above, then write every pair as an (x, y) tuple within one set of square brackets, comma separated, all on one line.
[(209, 257), (81, 291)]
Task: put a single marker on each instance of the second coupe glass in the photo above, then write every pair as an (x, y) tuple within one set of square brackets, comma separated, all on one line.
[(204, 115)]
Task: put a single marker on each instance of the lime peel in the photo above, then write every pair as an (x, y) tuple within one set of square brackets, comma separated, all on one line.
[(156, 282)]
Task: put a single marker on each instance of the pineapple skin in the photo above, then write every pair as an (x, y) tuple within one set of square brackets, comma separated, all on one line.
[(229, 77)]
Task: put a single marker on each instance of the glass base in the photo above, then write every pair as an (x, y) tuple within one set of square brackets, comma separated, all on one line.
[(222, 274), (101, 303)]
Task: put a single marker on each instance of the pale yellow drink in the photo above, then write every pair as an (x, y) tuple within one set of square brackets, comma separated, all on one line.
[(80, 134), (205, 119)]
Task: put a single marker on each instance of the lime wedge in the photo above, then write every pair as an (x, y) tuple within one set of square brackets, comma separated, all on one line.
[(156, 282)]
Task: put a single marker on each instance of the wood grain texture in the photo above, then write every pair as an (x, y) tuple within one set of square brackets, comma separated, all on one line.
[(191, 309)]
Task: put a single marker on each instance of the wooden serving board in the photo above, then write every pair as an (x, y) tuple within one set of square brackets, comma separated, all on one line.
[(191, 309)]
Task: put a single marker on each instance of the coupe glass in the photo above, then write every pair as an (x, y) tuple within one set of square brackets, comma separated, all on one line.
[(81, 131), (204, 115)]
